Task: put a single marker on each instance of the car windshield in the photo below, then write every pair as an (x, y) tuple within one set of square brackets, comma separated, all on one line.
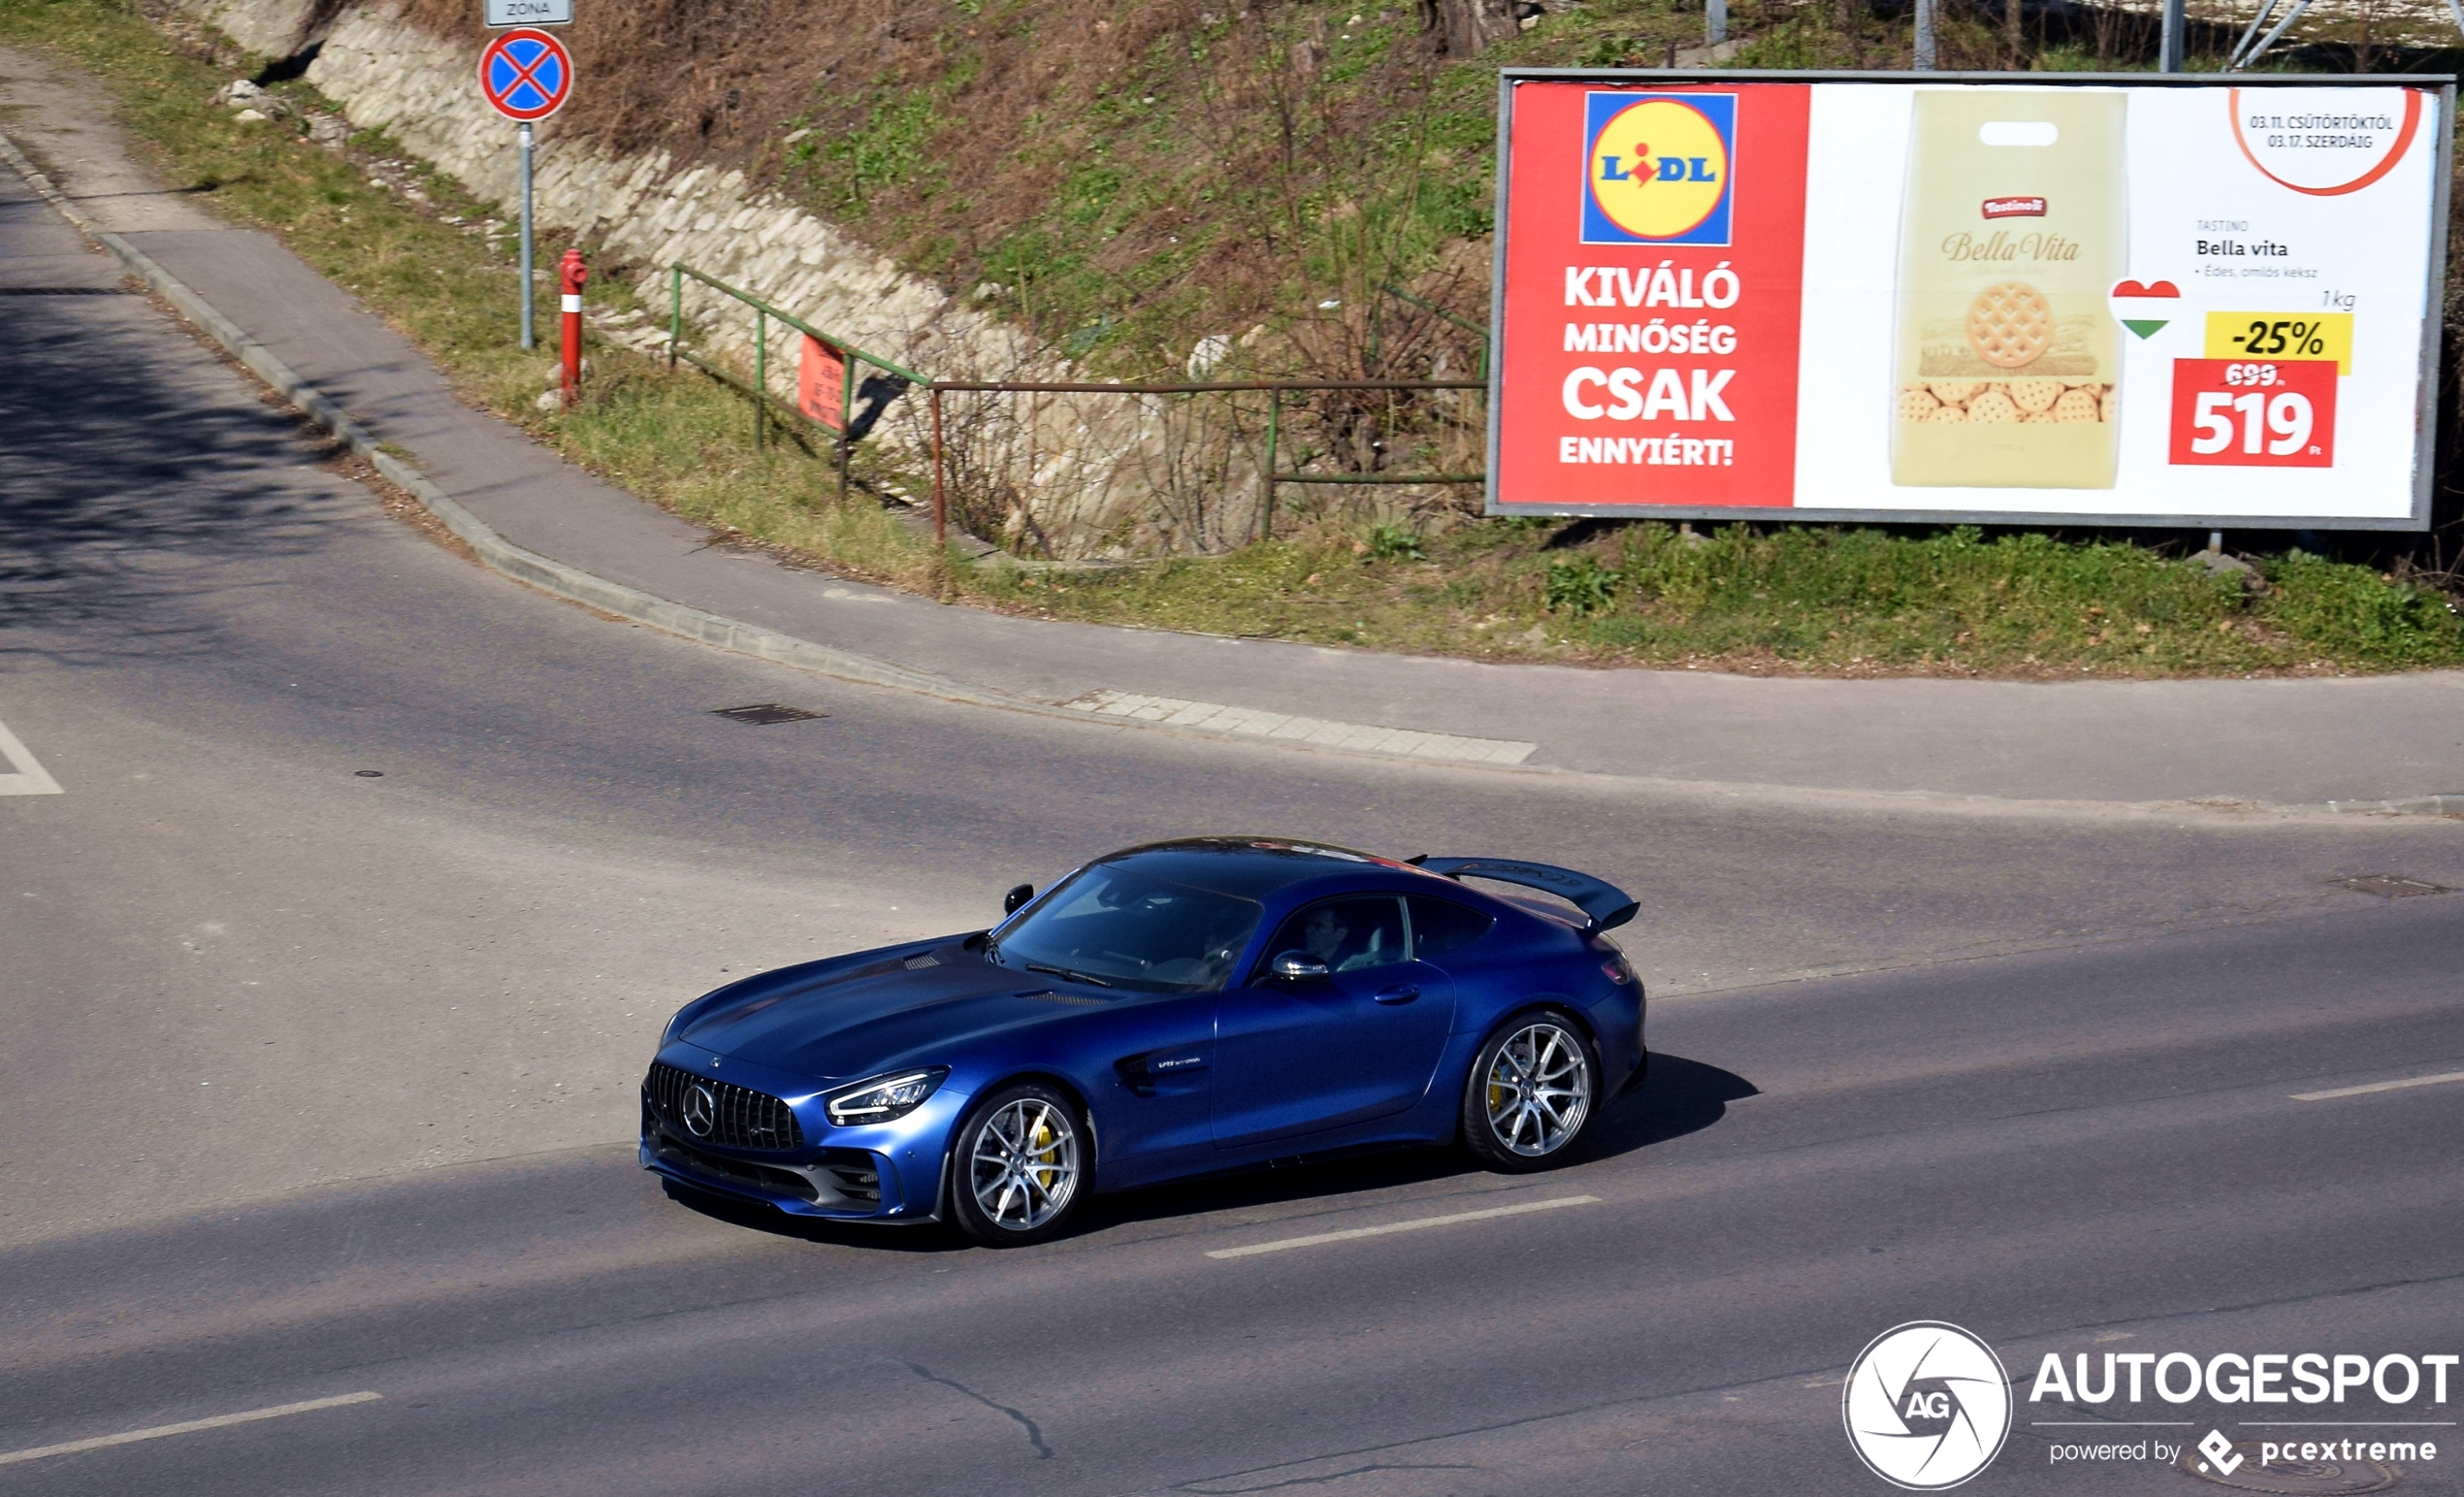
[(1119, 929)]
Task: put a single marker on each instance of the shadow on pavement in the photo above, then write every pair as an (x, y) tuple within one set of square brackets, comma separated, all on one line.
[(130, 466), (1681, 1096)]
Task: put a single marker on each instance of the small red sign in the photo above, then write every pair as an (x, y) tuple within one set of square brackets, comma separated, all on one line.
[(2254, 413), (821, 384), (2014, 207), (526, 73)]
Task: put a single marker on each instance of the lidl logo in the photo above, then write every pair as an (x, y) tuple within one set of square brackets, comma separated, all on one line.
[(1657, 168)]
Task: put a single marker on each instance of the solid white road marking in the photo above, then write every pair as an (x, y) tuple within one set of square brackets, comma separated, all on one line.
[(1255, 723), (1402, 1226), (29, 778), (2378, 1086), (219, 1420)]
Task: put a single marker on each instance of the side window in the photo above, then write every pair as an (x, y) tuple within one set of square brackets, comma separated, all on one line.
[(1438, 927), (1349, 935)]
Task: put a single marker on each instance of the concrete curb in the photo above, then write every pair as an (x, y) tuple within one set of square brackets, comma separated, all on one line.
[(574, 585), (2411, 805)]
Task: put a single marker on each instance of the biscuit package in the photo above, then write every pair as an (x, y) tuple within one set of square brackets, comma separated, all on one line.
[(2016, 225)]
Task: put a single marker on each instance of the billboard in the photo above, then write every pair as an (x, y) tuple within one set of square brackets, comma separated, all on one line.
[(2006, 298)]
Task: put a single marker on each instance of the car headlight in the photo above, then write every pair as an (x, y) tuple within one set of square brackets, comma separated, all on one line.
[(884, 1097)]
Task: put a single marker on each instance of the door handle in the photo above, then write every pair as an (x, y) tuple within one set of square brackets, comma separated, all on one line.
[(1402, 992)]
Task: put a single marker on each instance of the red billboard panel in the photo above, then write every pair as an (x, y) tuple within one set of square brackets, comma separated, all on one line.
[(1655, 285)]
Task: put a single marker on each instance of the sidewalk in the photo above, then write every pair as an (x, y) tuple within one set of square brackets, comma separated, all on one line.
[(2285, 742)]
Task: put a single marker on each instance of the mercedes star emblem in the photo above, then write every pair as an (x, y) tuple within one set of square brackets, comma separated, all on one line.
[(701, 1110)]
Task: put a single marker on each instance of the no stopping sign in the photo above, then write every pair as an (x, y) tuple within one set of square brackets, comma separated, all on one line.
[(526, 73)]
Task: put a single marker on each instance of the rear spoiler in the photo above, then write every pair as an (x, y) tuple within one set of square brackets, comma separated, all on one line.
[(1607, 905)]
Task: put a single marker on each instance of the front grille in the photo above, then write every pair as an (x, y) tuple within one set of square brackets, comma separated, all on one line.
[(741, 1117)]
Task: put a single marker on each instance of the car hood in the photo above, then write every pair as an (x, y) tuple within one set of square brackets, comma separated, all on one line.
[(852, 1021)]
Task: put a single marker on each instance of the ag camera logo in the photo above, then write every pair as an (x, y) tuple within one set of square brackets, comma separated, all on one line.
[(1927, 1405)]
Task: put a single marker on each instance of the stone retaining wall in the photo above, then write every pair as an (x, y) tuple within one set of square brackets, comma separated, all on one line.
[(1076, 475)]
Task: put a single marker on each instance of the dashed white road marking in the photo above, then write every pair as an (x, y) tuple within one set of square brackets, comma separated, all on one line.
[(27, 777), (1285, 727), (2378, 1086), (190, 1427), (1419, 1224)]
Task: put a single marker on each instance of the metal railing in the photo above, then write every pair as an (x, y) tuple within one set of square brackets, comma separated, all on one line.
[(1480, 361), (1272, 475), (1275, 389), (850, 358)]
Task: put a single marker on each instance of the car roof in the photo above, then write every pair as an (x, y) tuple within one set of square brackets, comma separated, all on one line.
[(1247, 867)]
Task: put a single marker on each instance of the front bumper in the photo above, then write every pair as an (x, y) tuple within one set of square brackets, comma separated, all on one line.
[(844, 1183), (878, 1172)]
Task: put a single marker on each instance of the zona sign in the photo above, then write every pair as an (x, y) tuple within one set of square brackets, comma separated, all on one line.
[(526, 73)]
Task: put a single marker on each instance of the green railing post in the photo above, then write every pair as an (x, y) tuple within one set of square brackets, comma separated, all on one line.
[(846, 412), (1266, 506), (760, 376), (675, 309)]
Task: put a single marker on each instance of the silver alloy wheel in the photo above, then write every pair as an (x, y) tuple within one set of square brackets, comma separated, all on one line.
[(1539, 1089), (1026, 1164)]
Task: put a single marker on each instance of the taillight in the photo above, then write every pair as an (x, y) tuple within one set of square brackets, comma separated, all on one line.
[(1616, 970)]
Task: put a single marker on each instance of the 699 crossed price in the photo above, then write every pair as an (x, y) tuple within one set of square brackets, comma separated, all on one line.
[(2246, 413)]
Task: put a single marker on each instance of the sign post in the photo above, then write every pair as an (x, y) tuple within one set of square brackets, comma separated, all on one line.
[(527, 339), (527, 74)]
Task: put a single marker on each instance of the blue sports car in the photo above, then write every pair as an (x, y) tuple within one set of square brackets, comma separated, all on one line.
[(1169, 1010)]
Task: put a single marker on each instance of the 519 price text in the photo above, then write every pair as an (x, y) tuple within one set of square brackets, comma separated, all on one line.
[(2240, 413)]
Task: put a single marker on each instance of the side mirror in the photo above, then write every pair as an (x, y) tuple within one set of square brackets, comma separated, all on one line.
[(1016, 899), (1299, 967)]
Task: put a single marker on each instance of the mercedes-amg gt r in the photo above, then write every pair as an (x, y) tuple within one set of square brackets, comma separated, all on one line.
[(1169, 1010)]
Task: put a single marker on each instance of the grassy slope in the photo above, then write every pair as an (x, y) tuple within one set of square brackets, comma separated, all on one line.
[(1790, 599)]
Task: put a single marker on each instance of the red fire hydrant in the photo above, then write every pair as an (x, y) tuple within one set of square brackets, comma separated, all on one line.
[(573, 273)]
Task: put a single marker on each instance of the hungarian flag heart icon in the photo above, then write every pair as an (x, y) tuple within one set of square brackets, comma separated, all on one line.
[(2146, 309)]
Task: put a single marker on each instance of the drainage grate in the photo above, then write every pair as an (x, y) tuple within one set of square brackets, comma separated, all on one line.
[(2330, 1478), (64, 291), (763, 713), (2388, 886)]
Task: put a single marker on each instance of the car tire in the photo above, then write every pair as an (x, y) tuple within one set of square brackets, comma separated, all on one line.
[(1019, 1166), (1532, 1093)]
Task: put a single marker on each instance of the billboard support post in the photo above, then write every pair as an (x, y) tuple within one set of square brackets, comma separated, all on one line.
[(1715, 21), (1925, 36), (2176, 28)]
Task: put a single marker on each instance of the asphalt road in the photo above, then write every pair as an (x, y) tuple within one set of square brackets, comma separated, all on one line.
[(316, 1080), (2058, 1152)]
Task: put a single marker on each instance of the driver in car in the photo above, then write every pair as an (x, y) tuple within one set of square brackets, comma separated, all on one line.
[(1329, 938), (1323, 934)]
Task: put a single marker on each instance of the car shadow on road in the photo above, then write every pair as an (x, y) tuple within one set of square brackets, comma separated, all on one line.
[(917, 1237), (1681, 1096)]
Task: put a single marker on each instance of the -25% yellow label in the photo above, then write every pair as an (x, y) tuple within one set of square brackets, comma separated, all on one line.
[(2280, 336)]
